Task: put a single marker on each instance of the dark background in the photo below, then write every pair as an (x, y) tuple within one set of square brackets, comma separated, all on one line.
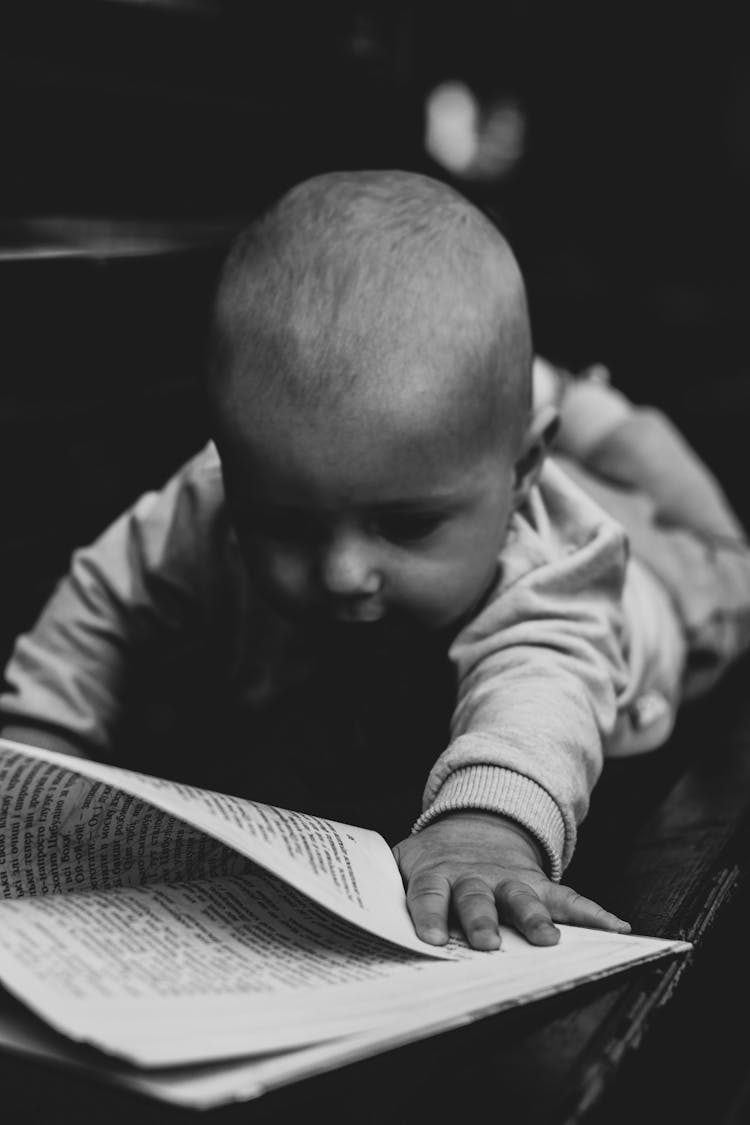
[(136, 136)]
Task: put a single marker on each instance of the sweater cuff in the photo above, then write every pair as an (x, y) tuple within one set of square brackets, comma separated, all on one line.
[(511, 794)]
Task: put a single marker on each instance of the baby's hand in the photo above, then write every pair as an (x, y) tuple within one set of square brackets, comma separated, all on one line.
[(488, 869)]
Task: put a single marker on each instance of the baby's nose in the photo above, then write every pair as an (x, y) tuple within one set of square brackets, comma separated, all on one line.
[(349, 567)]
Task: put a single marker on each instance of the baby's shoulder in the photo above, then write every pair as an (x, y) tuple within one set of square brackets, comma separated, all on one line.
[(559, 524), (187, 517), (195, 491)]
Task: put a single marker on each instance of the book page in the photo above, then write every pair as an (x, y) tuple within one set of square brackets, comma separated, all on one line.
[(230, 968), (347, 869), (578, 960), (61, 832), (181, 972), (210, 1085)]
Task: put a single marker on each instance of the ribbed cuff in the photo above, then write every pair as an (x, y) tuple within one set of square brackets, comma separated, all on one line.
[(511, 794)]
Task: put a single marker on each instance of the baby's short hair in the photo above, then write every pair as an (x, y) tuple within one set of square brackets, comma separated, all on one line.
[(347, 261)]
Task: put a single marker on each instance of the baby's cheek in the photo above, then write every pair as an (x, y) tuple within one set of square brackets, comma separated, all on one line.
[(290, 573), (438, 595), (282, 575), (467, 590)]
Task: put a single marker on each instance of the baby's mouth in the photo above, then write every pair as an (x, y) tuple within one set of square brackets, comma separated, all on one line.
[(358, 614)]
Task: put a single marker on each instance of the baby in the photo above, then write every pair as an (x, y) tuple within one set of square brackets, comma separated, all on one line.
[(377, 567)]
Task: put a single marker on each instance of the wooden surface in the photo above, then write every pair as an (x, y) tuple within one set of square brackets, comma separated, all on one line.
[(666, 846)]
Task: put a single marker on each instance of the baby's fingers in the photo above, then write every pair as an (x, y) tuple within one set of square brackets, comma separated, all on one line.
[(428, 898), (474, 904), (566, 905), (519, 905)]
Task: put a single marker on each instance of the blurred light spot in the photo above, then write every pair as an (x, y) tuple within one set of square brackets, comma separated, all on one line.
[(502, 136), (473, 140), (451, 133)]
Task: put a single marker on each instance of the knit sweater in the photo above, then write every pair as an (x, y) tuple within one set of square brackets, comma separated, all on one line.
[(576, 652)]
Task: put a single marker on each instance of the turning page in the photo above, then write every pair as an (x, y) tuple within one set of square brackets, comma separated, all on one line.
[(68, 823)]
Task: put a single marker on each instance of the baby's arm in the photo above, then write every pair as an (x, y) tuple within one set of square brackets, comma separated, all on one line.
[(67, 679), (540, 671)]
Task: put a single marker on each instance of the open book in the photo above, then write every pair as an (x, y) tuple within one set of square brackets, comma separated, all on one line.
[(212, 947)]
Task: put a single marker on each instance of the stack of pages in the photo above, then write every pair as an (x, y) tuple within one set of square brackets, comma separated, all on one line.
[(212, 948)]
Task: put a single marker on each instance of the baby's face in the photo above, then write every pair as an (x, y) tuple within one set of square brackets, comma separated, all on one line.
[(351, 518)]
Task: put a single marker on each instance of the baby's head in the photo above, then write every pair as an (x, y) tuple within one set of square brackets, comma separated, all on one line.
[(370, 379)]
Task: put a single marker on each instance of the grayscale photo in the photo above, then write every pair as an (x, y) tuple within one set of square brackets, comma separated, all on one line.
[(375, 575)]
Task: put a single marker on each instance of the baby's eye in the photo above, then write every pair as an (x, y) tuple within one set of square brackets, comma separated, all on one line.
[(408, 528)]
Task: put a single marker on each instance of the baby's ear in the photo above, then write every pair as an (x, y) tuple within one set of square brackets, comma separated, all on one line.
[(540, 433)]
